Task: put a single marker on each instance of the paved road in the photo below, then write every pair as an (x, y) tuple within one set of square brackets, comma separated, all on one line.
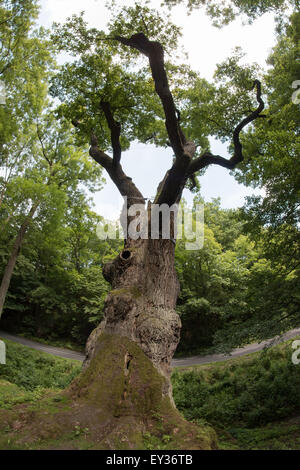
[(250, 348), (186, 362), (61, 352)]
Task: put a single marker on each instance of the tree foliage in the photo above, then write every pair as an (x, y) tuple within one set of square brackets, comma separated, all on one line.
[(224, 12)]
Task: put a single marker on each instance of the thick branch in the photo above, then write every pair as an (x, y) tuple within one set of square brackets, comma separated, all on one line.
[(123, 182), (115, 130), (42, 146), (170, 189), (182, 136), (174, 181), (154, 51), (207, 158)]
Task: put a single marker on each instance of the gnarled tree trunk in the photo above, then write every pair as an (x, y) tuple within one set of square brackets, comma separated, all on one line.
[(126, 374), (141, 305)]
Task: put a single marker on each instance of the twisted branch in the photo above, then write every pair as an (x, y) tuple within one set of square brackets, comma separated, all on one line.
[(154, 51), (113, 167), (207, 158), (173, 183)]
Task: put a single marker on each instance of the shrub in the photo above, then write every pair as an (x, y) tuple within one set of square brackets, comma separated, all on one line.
[(29, 369), (248, 392)]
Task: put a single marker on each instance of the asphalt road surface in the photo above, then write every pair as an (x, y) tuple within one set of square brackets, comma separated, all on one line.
[(183, 362)]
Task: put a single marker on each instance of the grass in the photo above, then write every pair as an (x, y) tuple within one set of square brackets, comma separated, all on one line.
[(283, 435), (11, 395)]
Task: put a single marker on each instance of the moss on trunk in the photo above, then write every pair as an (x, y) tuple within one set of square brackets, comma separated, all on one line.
[(116, 403)]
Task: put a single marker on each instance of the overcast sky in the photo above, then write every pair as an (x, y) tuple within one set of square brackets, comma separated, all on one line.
[(206, 47)]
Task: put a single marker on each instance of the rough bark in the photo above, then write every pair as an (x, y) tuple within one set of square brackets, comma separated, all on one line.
[(141, 304), (124, 391), (123, 395)]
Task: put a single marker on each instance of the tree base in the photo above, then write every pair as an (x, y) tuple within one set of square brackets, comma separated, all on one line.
[(118, 402)]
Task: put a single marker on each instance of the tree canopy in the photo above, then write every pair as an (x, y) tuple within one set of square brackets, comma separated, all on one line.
[(224, 12)]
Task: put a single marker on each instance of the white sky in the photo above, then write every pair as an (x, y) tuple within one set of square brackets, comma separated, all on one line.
[(206, 47)]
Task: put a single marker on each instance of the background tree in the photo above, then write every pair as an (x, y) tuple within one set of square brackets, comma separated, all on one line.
[(271, 149), (25, 64), (57, 291), (54, 169)]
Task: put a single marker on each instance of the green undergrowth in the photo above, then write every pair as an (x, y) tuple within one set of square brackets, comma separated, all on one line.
[(119, 414), (11, 394), (33, 370), (245, 399), (281, 435)]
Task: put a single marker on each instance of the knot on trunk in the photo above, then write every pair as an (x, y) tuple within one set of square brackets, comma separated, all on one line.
[(108, 271), (113, 269), (125, 256)]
